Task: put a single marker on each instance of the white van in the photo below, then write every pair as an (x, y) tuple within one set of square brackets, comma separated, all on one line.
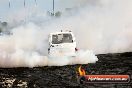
[(62, 44)]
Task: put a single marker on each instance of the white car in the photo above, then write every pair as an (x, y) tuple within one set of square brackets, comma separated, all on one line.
[(62, 44)]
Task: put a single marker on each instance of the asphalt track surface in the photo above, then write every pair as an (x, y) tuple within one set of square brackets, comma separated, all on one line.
[(66, 76)]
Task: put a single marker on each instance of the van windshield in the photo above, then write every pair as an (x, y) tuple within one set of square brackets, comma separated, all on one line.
[(61, 38)]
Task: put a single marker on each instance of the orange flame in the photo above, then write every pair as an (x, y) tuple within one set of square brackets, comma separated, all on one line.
[(81, 71)]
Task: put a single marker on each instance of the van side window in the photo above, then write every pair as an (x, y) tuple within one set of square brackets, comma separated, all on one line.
[(54, 39)]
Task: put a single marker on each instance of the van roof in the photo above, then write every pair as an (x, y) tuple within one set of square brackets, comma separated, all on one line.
[(61, 33)]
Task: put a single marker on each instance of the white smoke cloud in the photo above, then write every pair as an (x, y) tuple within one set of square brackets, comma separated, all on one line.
[(104, 27), (28, 47)]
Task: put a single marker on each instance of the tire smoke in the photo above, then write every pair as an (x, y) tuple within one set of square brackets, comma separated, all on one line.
[(103, 26)]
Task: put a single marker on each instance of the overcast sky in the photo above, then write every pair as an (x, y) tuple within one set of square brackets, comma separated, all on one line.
[(43, 5)]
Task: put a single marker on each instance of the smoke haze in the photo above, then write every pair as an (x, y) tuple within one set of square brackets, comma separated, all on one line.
[(103, 26)]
